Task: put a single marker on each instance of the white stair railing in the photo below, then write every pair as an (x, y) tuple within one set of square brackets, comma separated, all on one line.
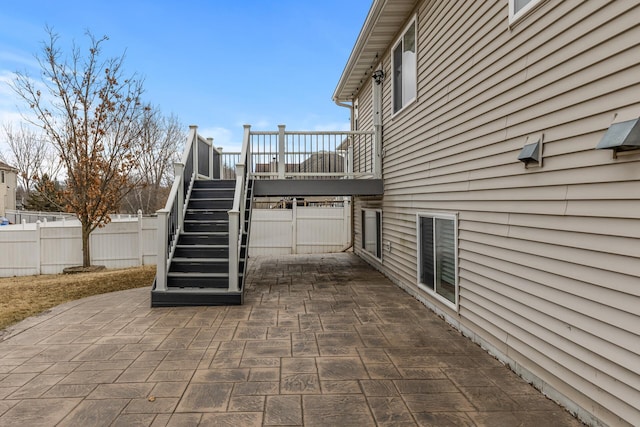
[(237, 213), (196, 163)]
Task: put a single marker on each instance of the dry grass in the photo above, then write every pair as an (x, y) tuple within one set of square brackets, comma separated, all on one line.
[(26, 296)]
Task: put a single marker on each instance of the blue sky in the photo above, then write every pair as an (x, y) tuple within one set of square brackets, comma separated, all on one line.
[(217, 64)]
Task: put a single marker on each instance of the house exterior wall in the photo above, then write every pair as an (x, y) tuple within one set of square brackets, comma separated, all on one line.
[(548, 258), (8, 190)]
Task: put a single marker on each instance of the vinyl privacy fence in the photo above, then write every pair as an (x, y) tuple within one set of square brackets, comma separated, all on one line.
[(300, 230), (50, 247)]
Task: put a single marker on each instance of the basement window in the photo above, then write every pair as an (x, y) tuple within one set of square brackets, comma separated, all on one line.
[(372, 232), (438, 256), (404, 66)]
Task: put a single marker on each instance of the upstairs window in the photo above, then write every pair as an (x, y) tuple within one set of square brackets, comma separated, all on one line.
[(519, 8), (404, 65), (2, 177)]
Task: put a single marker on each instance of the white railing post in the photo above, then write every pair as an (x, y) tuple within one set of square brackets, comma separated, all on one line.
[(194, 150), (179, 171), (140, 239), (281, 159), (161, 261), (377, 152), (221, 162), (294, 227), (350, 159), (246, 142), (234, 236), (210, 154), (38, 249)]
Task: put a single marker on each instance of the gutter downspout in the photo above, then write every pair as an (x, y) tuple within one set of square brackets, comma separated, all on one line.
[(353, 236), (349, 106)]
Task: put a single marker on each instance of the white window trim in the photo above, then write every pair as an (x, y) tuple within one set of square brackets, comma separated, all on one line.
[(515, 17), (424, 287), (362, 230), (411, 101)]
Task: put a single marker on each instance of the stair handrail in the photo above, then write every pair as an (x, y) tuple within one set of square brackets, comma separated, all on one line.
[(171, 217), (237, 212)]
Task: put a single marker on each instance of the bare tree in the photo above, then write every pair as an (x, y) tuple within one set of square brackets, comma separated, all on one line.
[(30, 154), (89, 111), (160, 141)]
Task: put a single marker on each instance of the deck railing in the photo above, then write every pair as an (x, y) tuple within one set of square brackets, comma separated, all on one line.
[(280, 154), (199, 160), (237, 223), (286, 154)]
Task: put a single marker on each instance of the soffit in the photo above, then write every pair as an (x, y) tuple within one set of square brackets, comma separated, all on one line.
[(383, 22)]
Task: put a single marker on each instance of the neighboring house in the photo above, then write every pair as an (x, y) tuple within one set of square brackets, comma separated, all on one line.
[(323, 162), (499, 213), (8, 186)]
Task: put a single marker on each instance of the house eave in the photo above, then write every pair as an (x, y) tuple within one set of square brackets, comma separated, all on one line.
[(383, 22), (6, 167)]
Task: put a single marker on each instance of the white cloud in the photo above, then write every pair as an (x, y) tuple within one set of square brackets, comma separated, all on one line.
[(12, 107), (28, 61)]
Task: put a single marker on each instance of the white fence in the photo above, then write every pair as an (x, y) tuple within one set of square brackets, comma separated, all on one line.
[(300, 230), (18, 217), (49, 247)]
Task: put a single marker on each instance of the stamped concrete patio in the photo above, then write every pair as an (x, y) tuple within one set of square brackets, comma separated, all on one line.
[(322, 340)]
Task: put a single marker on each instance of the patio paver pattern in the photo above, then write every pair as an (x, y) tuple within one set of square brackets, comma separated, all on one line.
[(322, 340)]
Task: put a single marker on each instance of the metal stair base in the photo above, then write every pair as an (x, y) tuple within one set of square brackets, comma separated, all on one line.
[(183, 297)]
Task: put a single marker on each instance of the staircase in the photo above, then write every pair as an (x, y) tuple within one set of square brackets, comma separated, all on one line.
[(198, 273)]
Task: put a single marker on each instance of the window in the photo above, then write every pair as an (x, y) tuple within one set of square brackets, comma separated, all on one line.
[(2, 177), (372, 232), (519, 8), (404, 67), (437, 255)]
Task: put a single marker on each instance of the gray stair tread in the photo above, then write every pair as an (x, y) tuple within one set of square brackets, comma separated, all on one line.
[(196, 275), (196, 290), (205, 233), (207, 221), (182, 259), (201, 246)]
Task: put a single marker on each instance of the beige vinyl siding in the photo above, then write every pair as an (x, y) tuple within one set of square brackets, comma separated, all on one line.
[(549, 258)]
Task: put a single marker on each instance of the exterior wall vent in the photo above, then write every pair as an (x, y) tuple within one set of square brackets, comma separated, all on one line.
[(622, 136), (531, 154)]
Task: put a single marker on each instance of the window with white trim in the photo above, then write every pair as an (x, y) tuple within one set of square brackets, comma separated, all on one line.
[(2, 177), (372, 232), (438, 255), (404, 66), (519, 8)]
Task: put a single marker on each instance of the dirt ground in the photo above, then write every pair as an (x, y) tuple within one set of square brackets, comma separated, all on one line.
[(25, 296)]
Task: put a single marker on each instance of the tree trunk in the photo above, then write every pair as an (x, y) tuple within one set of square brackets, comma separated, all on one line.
[(86, 253)]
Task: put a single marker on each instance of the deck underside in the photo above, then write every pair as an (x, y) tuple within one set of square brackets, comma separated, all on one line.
[(317, 187)]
